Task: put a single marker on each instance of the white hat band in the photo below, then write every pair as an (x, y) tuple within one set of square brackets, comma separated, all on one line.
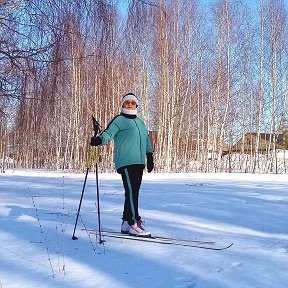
[(130, 97)]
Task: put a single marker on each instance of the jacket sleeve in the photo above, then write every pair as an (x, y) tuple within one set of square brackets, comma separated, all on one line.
[(109, 133), (149, 148)]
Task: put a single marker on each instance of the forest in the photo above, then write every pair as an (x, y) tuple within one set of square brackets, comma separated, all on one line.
[(206, 74)]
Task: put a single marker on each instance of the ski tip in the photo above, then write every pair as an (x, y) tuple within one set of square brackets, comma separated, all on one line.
[(228, 246)]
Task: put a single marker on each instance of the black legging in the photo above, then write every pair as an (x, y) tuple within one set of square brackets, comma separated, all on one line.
[(132, 179)]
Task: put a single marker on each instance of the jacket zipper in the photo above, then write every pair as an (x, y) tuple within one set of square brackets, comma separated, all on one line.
[(140, 142)]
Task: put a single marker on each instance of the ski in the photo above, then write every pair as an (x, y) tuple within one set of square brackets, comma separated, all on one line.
[(209, 245), (157, 237)]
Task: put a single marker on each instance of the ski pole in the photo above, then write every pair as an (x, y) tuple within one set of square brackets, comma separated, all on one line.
[(89, 163), (98, 205), (90, 160), (73, 236), (97, 129)]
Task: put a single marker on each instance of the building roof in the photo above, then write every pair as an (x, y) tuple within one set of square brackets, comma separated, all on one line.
[(266, 142)]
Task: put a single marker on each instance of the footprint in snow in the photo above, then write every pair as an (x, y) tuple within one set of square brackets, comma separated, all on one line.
[(233, 265), (186, 282)]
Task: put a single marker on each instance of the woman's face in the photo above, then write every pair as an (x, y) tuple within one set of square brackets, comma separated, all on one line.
[(130, 104)]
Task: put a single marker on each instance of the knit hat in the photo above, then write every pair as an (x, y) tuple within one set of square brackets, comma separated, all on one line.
[(129, 96)]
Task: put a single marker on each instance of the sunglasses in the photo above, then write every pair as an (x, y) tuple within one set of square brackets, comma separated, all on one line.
[(130, 102)]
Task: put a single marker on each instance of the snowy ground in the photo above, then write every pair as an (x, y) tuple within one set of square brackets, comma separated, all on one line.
[(38, 212)]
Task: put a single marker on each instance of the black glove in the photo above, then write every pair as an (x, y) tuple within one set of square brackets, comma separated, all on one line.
[(95, 141), (150, 162)]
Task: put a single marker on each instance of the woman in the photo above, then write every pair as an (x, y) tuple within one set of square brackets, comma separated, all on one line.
[(132, 148)]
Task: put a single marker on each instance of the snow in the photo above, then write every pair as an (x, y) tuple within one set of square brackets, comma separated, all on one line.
[(38, 212)]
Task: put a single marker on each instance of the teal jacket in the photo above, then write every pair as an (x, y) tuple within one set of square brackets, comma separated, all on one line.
[(131, 140)]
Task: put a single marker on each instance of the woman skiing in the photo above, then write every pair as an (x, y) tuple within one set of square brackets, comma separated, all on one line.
[(132, 149)]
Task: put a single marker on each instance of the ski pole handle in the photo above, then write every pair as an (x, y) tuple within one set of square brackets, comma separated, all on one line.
[(94, 155), (96, 126)]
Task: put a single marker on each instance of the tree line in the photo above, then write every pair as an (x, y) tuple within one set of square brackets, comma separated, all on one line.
[(205, 76)]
